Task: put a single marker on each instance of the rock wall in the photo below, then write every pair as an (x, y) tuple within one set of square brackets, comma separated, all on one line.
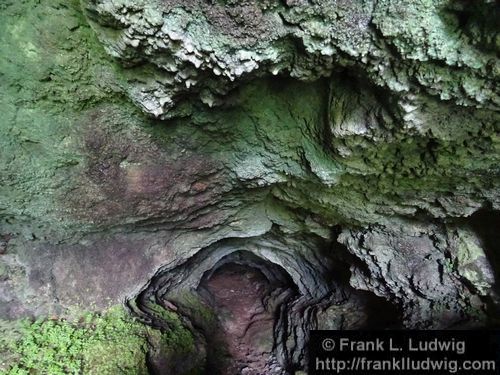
[(353, 144)]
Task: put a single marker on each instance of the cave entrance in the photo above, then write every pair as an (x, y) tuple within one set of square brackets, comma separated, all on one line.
[(246, 293), (249, 304)]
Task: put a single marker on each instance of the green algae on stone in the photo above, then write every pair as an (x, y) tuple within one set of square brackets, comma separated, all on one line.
[(177, 350), (51, 68), (471, 260)]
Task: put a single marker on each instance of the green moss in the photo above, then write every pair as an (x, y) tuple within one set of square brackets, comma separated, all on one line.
[(198, 310), (51, 68), (50, 57), (177, 338), (176, 345), (112, 343)]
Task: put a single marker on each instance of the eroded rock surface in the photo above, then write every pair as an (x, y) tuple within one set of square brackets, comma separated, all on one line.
[(207, 47), (238, 295), (344, 155)]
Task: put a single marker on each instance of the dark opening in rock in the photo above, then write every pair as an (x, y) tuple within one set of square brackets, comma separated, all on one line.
[(246, 293), (251, 303), (486, 224)]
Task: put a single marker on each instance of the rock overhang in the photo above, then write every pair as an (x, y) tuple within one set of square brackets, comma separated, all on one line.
[(223, 45)]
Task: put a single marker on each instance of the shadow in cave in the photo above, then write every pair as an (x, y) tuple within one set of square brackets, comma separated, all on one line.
[(486, 224), (381, 314)]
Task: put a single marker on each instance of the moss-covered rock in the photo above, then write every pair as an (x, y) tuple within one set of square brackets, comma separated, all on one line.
[(136, 136), (108, 343)]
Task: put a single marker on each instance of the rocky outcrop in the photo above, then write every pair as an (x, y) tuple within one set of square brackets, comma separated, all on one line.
[(342, 155), (436, 275)]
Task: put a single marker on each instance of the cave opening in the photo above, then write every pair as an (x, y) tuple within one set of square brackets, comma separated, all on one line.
[(246, 294), (486, 224), (250, 304)]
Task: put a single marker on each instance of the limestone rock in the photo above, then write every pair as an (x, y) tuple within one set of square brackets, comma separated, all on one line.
[(343, 154)]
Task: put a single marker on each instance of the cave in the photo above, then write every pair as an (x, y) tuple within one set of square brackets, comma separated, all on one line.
[(192, 187), (249, 302), (248, 295), (486, 224)]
